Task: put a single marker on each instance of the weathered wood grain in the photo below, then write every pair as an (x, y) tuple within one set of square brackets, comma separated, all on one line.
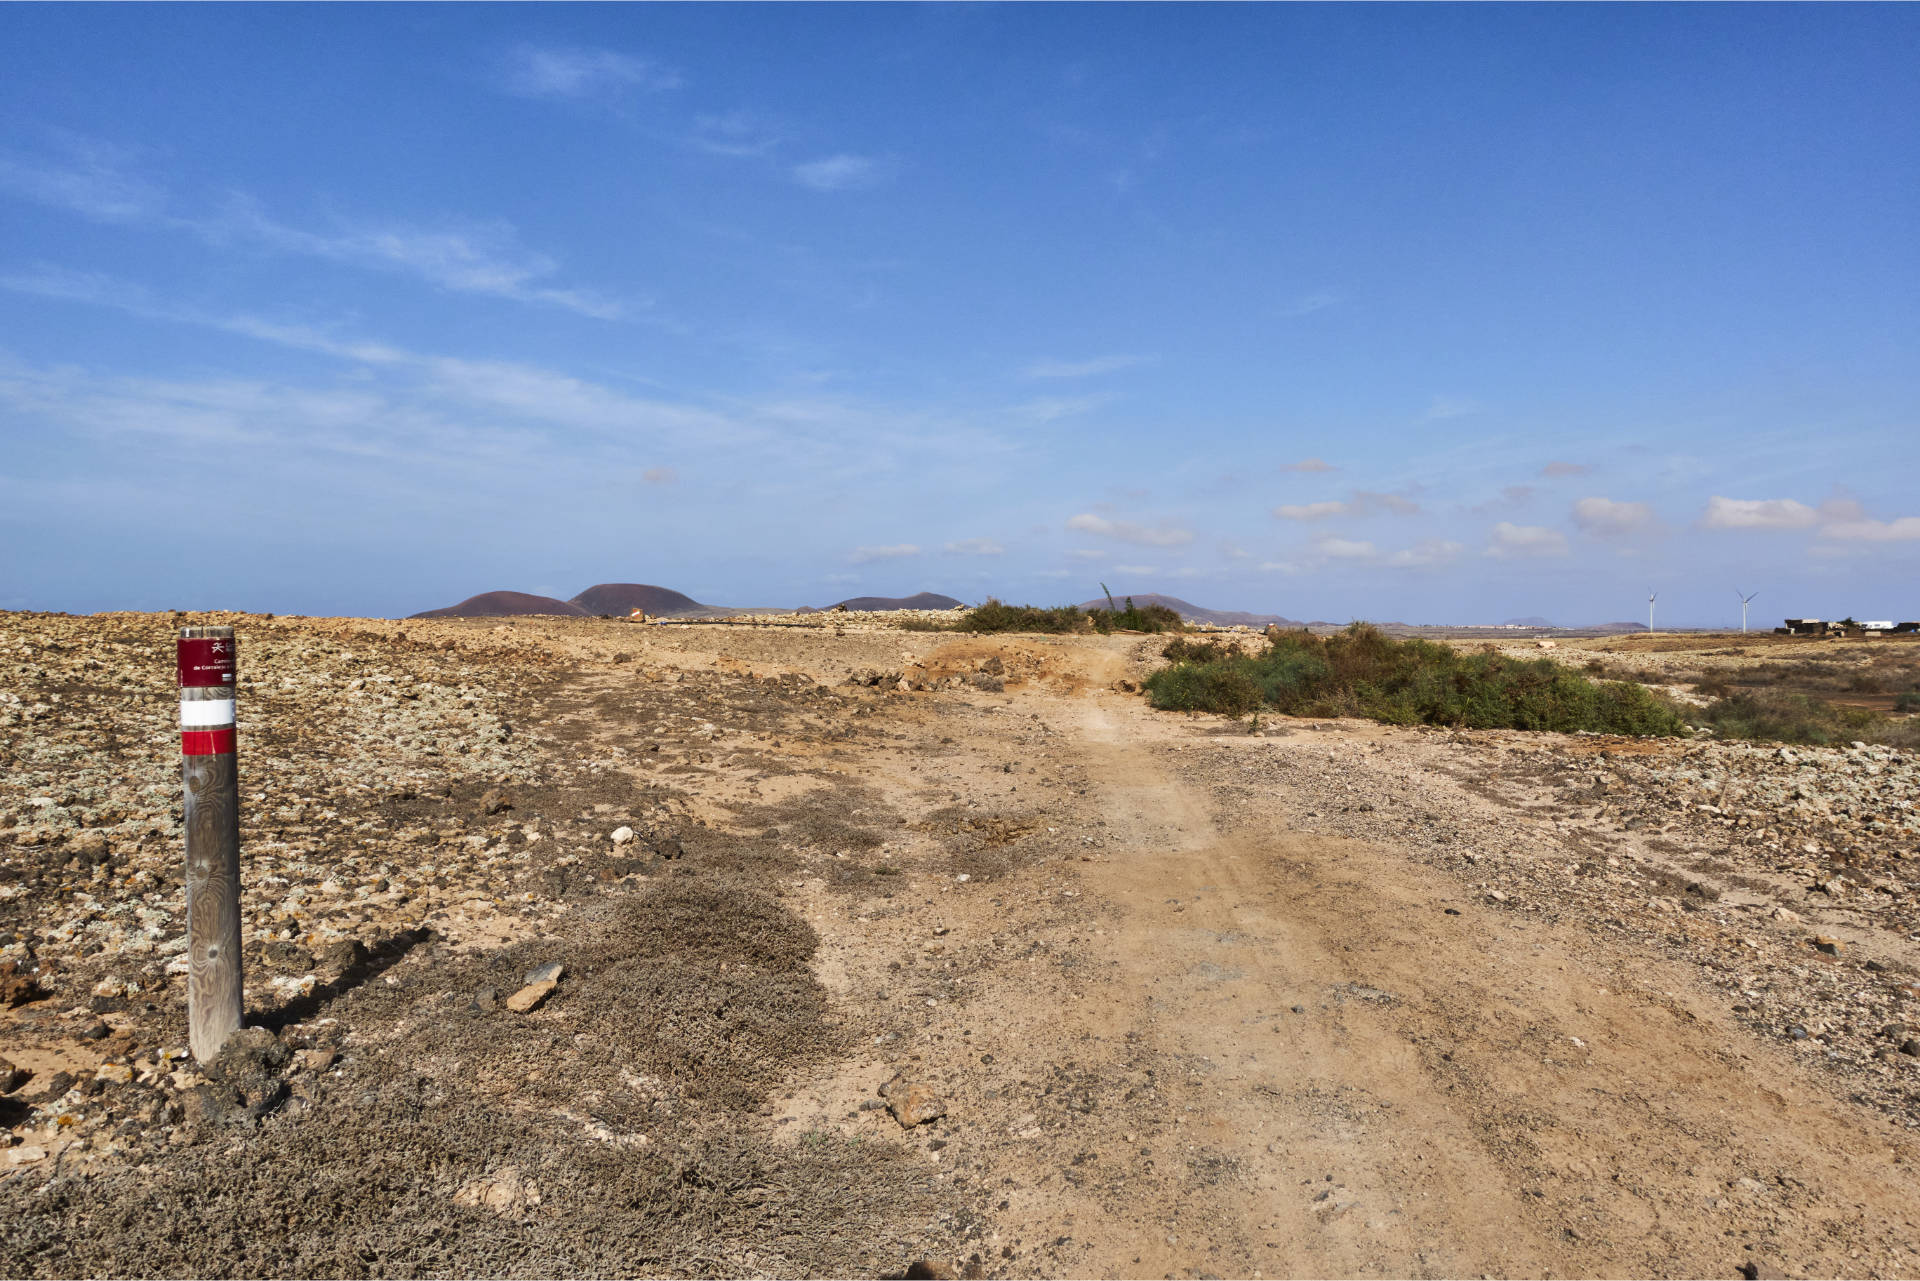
[(214, 997)]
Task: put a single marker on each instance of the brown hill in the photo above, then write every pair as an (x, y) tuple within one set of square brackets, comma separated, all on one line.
[(503, 604), (1197, 613), (874, 604), (620, 599)]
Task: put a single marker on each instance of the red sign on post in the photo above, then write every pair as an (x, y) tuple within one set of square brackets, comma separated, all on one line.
[(206, 662)]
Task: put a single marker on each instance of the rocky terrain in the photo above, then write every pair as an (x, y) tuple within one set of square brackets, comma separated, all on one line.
[(811, 945)]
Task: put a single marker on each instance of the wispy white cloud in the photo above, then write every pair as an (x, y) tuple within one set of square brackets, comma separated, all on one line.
[(1311, 511), (1511, 497), (474, 259), (1163, 535), (1083, 368), (1331, 549), (1426, 554), (1757, 513), (1440, 408), (1135, 569), (738, 134), (1364, 502), (93, 180), (1557, 469), (482, 258), (843, 172), (1307, 304), (577, 73), (1309, 465), (975, 547), (1904, 529), (1086, 553), (660, 476), (556, 415), (1606, 518), (1345, 548), (1049, 409), (1513, 542), (892, 551)]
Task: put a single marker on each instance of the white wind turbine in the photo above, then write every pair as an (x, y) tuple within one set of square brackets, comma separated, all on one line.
[(1652, 596), (1744, 602)]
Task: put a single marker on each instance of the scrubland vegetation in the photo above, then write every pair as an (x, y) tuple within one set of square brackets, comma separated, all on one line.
[(1363, 672), (994, 616)]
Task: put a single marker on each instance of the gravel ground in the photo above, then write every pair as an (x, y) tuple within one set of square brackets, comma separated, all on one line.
[(427, 821)]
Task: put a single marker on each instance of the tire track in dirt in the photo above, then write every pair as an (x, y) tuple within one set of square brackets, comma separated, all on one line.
[(1389, 1089)]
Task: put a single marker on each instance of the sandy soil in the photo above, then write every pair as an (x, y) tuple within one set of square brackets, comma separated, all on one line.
[(1327, 999)]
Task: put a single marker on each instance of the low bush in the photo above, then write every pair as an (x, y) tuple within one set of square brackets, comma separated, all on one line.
[(1907, 702), (1182, 650), (997, 617), (1154, 618), (1364, 672), (1799, 718)]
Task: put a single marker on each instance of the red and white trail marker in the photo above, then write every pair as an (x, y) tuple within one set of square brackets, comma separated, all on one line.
[(206, 658)]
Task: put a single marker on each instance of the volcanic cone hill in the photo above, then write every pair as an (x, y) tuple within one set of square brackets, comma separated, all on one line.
[(503, 604), (875, 604), (624, 598)]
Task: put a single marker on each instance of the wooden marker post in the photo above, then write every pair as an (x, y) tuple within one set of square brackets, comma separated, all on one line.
[(206, 658)]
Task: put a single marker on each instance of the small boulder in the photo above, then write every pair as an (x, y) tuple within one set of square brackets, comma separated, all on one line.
[(530, 995), (912, 1103), (17, 988), (283, 954), (12, 1077), (548, 973), (342, 954), (495, 801), (621, 835)]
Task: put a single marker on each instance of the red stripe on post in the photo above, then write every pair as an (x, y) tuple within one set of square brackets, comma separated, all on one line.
[(206, 742)]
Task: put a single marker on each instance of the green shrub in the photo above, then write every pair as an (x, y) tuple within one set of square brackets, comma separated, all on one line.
[(1154, 618), (1907, 702), (1182, 650), (1800, 718), (1364, 672), (997, 617)]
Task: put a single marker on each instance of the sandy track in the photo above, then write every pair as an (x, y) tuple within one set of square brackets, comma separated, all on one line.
[(1436, 1074), (1353, 1081)]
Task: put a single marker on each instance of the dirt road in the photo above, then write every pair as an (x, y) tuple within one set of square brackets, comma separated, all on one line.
[(1288, 1053), (1188, 1001)]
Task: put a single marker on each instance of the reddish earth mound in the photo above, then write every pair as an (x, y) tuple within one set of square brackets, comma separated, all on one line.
[(499, 604), (624, 598), (873, 604)]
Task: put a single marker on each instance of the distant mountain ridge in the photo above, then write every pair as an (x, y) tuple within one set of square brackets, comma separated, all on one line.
[(1197, 613), (504, 605), (623, 598), (875, 604)]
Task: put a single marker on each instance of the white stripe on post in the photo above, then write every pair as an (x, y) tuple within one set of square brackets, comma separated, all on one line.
[(198, 713)]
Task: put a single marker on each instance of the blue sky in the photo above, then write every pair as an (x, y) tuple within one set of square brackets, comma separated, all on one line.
[(1426, 313)]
